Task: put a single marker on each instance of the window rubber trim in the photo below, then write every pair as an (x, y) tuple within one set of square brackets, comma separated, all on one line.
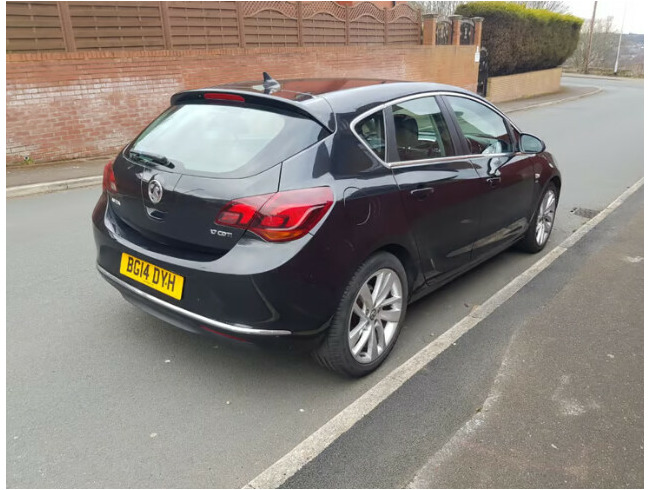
[(429, 161)]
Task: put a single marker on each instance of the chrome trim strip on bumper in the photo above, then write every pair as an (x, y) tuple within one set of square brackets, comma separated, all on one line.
[(209, 322)]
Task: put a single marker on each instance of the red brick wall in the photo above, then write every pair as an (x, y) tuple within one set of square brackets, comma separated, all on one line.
[(524, 85), (72, 105)]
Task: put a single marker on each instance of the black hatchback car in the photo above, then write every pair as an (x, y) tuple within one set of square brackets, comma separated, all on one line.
[(314, 211)]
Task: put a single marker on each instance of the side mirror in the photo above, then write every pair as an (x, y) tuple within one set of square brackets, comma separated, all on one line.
[(531, 144)]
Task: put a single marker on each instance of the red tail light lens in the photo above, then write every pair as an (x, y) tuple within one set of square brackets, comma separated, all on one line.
[(278, 217), (109, 178)]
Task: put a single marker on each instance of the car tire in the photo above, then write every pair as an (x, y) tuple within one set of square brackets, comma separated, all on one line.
[(371, 310), (536, 238)]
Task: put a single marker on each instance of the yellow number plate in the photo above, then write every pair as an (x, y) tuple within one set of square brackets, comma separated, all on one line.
[(148, 274)]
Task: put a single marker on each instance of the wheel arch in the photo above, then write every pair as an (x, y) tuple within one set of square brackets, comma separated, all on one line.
[(557, 182), (409, 262)]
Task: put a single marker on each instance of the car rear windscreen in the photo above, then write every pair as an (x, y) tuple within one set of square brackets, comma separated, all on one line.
[(232, 141)]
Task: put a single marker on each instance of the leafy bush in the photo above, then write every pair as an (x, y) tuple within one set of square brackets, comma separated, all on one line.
[(519, 39)]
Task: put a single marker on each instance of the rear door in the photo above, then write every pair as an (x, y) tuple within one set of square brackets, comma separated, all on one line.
[(196, 157), (507, 177), (437, 188)]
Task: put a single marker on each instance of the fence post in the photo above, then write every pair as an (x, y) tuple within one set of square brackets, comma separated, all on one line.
[(478, 30), (66, 27), (385, 25), (166, 29), (347, 26), (240, 25), (299, 16), (429, 25), (455, 29)]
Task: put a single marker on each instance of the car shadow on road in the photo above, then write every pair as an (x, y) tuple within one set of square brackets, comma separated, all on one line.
[(224, 358)]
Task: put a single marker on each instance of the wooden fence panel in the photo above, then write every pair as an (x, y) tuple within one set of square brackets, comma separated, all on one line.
[(208, 25), (34, 26), (270, 24), (367, 24), (157, 25), (324, 24), (404, 25), (116, 25)]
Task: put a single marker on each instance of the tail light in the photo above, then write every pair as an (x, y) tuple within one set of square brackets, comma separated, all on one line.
[(109, 178), (278, 217)]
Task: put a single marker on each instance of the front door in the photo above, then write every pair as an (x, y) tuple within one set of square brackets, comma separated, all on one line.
[(507, 178)]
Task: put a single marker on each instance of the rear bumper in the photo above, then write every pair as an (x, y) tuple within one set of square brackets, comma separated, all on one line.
[(265, 293), (180, 317)]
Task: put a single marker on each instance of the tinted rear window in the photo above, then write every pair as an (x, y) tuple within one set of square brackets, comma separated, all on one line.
[(208, 139)]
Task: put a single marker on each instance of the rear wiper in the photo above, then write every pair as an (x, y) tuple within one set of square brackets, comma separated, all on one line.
[(151, 157)]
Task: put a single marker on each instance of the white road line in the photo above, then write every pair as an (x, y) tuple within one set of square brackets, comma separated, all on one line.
[(303, 453)]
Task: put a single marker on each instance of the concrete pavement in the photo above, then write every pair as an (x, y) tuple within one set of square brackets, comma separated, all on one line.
[(23, 180), (566, 409)]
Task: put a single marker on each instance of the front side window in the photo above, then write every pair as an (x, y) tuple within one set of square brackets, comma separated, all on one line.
[(420, 130), (485, 131), (371, 130)]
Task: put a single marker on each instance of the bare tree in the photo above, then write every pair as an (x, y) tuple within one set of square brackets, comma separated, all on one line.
[(449, 8), (603, 46), (550, 5), (441, 8)]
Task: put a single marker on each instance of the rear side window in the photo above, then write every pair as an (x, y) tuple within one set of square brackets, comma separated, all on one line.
[(371, 131), (208, 139)]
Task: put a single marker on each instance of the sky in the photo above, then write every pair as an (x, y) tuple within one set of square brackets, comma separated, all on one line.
[(633, 10)]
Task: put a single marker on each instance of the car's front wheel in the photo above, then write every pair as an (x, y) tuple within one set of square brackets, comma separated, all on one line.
[(369, 317)]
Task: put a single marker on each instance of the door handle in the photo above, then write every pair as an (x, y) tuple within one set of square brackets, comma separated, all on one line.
[(493, 181), (422, 192)]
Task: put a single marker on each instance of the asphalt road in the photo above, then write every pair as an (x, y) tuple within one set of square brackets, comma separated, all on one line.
[(100, 394)]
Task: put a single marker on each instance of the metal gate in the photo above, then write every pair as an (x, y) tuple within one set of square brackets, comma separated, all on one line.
[(481, 86)]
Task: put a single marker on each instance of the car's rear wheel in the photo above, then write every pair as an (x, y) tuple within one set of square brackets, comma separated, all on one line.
[(540, 228), (367, 322)]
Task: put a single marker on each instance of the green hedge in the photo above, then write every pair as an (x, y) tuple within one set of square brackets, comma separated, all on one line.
[(519, 39)]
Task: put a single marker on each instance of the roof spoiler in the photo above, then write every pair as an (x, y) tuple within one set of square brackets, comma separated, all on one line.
[(315, 108)]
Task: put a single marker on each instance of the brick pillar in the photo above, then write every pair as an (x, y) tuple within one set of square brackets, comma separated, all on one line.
[(429, 24), (478, 30), (455, 29)]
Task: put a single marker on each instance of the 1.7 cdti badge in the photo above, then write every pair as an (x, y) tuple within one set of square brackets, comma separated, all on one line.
[(153, 276)]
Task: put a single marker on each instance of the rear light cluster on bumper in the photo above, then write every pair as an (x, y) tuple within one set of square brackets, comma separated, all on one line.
[(278, 217), (108, 184)]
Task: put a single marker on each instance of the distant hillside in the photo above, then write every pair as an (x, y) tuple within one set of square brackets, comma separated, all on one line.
[(603, 51)]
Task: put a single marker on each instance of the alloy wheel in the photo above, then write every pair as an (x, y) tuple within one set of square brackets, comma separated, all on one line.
[(375, 316)]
